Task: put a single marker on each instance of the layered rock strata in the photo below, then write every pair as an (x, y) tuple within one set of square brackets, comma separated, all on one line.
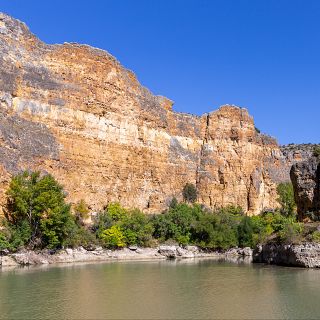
[(75, 112)]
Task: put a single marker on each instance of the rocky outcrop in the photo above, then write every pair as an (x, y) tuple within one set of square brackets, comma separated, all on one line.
[(305, 177), (26, 258), (305, 255), (292, 154), (75, 112)]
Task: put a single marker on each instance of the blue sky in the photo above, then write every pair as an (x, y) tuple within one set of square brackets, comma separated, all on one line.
[(260, 54)]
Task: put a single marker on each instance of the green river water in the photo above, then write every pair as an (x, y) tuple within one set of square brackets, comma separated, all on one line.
[(187, 289)]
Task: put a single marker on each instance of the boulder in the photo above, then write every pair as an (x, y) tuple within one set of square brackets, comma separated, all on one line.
[(69, 251), (7, 261), (168, 251)]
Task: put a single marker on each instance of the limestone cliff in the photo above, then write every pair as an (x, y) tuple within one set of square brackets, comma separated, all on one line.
[(74, 111), (305, 177)]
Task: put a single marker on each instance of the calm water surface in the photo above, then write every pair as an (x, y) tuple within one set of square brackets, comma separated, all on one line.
[(188, 289)]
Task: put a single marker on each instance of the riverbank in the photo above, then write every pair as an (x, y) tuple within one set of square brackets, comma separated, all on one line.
[(28, 257), (306, 255)]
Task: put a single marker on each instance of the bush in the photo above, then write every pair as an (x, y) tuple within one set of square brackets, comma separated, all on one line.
[(245, 232), (81, 237), (36, 212), (4, 241), (291, 233), (19, 234), (316, 151), (137, 228), (189, 193), (116, 212), (113, 237), (262, 229), (286, 199), (212, 232), (316, 236), (177, 224), (173, 203), (81, 212)]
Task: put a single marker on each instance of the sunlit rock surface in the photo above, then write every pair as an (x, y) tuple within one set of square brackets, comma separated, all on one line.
[(75, 112)]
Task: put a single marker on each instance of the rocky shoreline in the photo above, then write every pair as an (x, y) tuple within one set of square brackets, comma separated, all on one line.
[(306, 255), (45, 257)]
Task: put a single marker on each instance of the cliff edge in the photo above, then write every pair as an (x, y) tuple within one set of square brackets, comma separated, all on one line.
[(75, 112)]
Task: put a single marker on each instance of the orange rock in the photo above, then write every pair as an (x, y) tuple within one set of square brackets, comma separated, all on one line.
[(75, 112)]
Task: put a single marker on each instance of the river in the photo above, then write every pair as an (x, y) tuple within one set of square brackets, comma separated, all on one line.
[(187, 289)]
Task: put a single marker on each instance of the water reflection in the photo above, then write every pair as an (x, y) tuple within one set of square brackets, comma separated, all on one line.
[(183, 289)]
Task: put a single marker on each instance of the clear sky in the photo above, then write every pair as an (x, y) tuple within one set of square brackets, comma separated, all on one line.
[(260, 54)]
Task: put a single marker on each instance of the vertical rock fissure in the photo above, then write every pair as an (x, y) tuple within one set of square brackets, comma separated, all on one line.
[(204, 142)]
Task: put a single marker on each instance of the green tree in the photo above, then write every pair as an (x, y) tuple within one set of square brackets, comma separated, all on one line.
[(291, 233), (81, 212), (115, 211), (177, 224), (137, 228), (4, 241), (173, 203), (286, 199), (36, 211), (113, 237), (245, 232), (212, 231), (189, 193)]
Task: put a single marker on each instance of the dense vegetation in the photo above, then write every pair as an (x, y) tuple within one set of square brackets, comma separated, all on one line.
[(37, 216)]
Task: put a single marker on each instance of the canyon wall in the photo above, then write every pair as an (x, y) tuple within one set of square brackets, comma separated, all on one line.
[(75, 112), (305, 177)]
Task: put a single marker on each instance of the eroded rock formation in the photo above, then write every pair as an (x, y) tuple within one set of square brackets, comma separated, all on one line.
[(305, 177), (74, 111)]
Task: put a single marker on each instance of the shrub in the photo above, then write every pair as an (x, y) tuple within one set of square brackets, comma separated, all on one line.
[(173, 203), (232, 210), (19, 234), (189, 193), (245, 232), (113, 237), (291, 233), (286, 199), (137, 228), (115, 211), (81, 212), (316, 151), (315, 236), (80, 237), (212, 232), (102, 222), (36, 212), (177, 224), (4, 241), (261, 229)]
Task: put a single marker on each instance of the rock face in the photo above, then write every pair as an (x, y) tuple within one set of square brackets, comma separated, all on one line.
[(294, 153), (305, 177), (75, 112), (305, 255)]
